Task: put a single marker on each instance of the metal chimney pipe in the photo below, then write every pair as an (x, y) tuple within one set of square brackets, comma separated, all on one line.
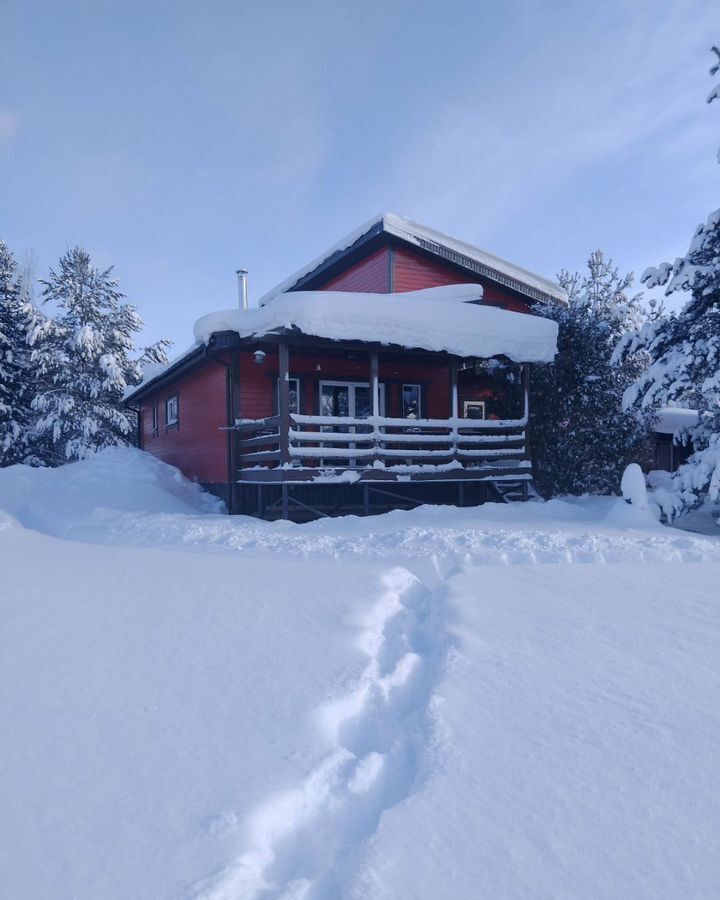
[(242, 275)]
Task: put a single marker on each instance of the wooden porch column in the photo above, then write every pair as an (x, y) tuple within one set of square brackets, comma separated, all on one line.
[(375, 399), (375, 383), (454, 403), (526, 413), (454, 389), (284, 401)]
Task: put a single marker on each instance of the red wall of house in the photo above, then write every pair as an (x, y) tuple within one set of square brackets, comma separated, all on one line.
[(196, 446), (371, 275), (257, 383), (413, 272)]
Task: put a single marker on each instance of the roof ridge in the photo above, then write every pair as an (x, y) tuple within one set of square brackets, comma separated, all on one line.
[(417, 233)]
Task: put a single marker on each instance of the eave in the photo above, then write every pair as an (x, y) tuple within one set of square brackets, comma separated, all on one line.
[(175, 370)]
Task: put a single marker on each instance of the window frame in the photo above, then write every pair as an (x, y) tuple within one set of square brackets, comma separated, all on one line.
[(298, 394), (474, 404), (382, 393), (413, 384), (175, 423), (155, 419)]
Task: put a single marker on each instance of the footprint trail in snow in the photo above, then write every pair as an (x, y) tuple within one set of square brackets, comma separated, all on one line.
[(303, 843)]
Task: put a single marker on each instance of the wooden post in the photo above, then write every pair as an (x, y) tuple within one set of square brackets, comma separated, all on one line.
[(284, 401), (375, 399), (285, 500), (375, 383), (526, 388), (454, 404), (526, 406), (454, 388)]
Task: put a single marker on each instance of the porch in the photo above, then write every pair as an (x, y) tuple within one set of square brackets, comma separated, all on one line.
[(298, 465)]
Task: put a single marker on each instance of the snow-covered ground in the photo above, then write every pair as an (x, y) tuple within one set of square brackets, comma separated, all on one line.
[(504, 702)]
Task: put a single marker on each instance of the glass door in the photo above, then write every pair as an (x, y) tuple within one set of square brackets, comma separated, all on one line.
[(347, 399), (334, 399)]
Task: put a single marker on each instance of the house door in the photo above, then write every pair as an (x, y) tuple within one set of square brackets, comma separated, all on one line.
[(347, 399)]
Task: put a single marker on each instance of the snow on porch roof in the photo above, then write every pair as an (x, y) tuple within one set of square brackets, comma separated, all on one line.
[(459, 252), (442, 319)]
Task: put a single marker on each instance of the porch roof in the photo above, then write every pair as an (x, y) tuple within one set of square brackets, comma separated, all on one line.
[(443, 319)]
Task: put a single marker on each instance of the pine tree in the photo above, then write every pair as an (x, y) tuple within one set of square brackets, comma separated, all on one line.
[(84, 355), (684, 353), (16, 371), (580, 437)]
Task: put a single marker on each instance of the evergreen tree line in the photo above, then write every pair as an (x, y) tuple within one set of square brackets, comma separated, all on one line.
[(581, 438), (63, 375), (619, 362)]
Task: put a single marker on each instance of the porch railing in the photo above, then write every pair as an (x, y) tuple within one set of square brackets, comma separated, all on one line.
[(335, 442)]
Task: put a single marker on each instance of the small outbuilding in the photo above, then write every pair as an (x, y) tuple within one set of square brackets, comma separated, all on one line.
[(670, 450)]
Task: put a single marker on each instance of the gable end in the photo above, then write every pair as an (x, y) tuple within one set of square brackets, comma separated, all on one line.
[(465, 262)]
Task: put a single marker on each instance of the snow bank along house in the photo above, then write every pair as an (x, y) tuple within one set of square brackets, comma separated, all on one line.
[(391, 371)]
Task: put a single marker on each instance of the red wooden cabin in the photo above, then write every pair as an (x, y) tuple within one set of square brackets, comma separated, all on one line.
[(330, 398)]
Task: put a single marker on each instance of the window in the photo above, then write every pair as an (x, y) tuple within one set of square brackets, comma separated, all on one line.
[(474, 409), (172, 411), (155, 417), (349, 398), (293, 395), (411, 401)]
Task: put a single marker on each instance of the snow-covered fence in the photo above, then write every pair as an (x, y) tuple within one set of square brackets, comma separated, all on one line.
[(345, 442)]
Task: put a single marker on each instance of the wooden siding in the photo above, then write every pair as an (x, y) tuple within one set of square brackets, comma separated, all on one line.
[(196, 446), (414, 271), (371, 275), (405, 269), (258, 383)]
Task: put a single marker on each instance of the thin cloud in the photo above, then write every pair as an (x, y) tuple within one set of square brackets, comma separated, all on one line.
[(498, 147), (8, 127)]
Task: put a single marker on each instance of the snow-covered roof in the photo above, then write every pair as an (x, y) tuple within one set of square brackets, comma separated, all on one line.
[(670, 419), (415, 320), (451, 248), (153, 371)]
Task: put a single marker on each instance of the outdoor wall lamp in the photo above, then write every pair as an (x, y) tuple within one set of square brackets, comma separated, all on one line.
[(259, 357)]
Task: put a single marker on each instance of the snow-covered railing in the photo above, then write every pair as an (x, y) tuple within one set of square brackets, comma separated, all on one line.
[(344, 442), (385, 421)]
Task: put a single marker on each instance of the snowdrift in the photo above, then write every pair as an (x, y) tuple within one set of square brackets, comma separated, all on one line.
[(119, 479), (436, 703)]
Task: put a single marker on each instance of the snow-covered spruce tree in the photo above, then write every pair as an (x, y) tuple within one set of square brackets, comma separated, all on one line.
[(579, 435), (684, 352), (17, 379), (84, 355)]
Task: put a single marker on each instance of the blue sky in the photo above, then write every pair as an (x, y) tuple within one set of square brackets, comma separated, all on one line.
[(179, 140)]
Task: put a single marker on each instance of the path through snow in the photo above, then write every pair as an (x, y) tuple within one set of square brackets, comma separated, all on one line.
[(302, 844)]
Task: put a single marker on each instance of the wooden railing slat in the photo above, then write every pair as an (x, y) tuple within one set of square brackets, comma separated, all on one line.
[(264, 456), (259, 440)]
